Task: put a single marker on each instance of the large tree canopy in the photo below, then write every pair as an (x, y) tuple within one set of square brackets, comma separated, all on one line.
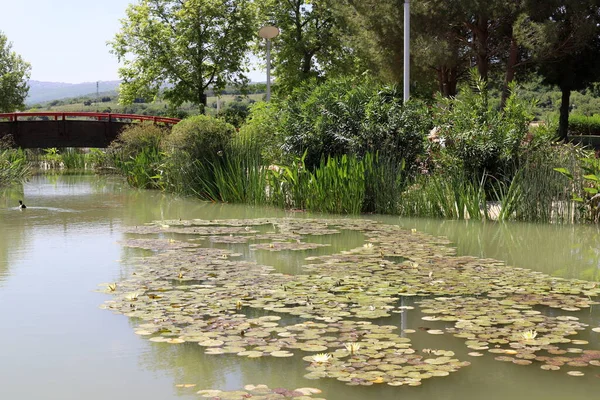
[(311, 44), (14, 77), (179, 48)]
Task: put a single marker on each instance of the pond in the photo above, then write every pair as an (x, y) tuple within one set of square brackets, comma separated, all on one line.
[(58, 342)]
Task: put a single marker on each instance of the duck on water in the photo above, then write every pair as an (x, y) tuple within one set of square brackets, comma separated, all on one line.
[(21, 205)]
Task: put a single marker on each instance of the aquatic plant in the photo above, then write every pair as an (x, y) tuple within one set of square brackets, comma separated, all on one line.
[(334, 306), (529, 335), (352, 347), (13, 167), (321, 358)]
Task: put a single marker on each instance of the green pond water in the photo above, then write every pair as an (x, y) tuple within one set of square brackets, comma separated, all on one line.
[(56, 342)]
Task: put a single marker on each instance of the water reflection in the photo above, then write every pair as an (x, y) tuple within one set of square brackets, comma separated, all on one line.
[(569, 251)]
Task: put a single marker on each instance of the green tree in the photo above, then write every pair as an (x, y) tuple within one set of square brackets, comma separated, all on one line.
[(311, 42), (179, 48), (563, 39), (14, 77)]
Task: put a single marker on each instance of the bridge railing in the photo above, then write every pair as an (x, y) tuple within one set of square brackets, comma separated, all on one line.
[(62, 116)]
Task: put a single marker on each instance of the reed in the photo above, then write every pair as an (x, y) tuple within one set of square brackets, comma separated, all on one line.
[(74, 159), (449, 196), (13, 167)]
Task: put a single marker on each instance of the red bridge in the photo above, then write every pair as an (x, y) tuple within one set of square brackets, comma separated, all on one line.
[(70, 129)]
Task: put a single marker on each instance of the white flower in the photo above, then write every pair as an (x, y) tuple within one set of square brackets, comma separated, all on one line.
[(352, 347), (321, 358), (529, 335)]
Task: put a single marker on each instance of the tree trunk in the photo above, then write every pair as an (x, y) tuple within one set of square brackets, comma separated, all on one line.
[(563, 126), (447, 80), (202, 101), (513, 57), (306, 64), (482, 35)]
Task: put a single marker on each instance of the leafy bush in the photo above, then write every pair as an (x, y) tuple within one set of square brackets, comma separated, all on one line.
[(263, 130), (135, 138), (194, 146), (136, 154), (480, 138), (234, 114), (200, 138), (353, 117), (582, 125)]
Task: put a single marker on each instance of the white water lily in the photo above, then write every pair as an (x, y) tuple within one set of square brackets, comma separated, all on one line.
[(529, 335), (132, 296), (321, 358), (352, 347), (368, 245)]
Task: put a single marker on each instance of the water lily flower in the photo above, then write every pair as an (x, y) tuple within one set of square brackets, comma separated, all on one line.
[(321, 358), (413, 230), (352, 347), (529, 335), (368, 245), (132, 296)]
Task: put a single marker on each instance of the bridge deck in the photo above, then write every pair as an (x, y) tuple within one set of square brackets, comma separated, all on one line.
[(69, 129)]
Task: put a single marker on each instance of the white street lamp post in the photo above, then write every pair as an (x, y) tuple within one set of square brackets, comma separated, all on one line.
[(406, 50), (268, 32)]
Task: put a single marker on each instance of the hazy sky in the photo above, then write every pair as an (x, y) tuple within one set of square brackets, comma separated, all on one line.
[(65, 40)]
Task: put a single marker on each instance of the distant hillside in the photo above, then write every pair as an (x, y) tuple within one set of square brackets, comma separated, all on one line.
[(40, 92)]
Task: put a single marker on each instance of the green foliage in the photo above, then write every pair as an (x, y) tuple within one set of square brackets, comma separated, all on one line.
[(235, 114), (262, 128), (192, 148), (73, 159), (136, 154), (582, 125), (200, 137), (179, 49), (311, 43), (351, 116), (135, 138), (14, 76), (385, 180), (13, 167), (240, 176), (478, 137), (586, 186), (445, 195)]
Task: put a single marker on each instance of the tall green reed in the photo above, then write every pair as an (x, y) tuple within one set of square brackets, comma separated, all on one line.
[(13, 167)]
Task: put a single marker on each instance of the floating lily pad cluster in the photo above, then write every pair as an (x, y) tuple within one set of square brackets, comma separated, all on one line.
[(261, 392), (187, 293)]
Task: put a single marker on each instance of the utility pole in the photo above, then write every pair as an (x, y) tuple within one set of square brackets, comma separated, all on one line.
[(406, 50)]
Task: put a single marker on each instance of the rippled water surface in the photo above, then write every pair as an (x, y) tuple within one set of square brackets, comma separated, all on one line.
[(57, 344)]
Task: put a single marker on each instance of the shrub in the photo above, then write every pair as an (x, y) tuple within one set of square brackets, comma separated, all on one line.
[(480, 138), (582, 125), (194, 146), (134, 138), (235, 114), (354, 117), (200, 137), (136, 154), (263, 129)]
